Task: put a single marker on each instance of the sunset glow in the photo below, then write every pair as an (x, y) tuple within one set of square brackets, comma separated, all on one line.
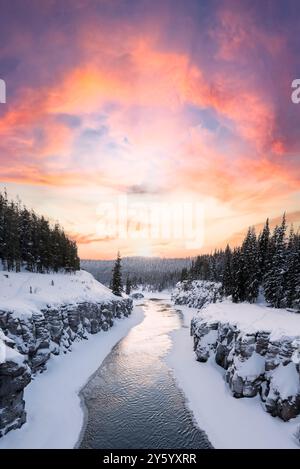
[(155, 100)]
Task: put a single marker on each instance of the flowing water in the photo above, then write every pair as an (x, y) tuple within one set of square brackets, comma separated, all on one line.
[(132, 400)]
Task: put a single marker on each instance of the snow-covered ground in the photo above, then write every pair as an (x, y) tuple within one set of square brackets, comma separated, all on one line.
[(229, 422), (54, 412), (26, 293), (253, 317)]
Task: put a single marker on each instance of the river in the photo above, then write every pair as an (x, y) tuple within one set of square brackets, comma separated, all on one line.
[(133, 401)]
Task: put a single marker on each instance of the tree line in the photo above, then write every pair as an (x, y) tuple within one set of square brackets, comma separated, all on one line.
[(28, 241), (267, 263), (153, 273)]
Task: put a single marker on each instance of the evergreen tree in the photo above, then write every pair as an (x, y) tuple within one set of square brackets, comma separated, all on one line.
[(184, 274), (191, 274), (117, 286), (274, 280), (238, 281), (292, 271), (250, 266), (28, 241), (227, 275), (263, 250), (268, 261), (197, 268), (128, 286), (213, 275)]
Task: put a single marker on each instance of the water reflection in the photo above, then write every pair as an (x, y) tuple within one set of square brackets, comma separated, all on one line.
[(133, 400)]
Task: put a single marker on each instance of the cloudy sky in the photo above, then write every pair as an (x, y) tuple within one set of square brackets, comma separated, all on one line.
[(158, 102)]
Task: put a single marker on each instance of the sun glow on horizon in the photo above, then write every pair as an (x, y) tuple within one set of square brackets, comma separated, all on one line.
[(144, 250)]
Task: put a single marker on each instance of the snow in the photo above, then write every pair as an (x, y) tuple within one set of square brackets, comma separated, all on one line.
[(197, 293), (254, 366), (54, 412), (228, 422), (285, 380), (209, 338), (8, 354), (250, 318), (52, 288)]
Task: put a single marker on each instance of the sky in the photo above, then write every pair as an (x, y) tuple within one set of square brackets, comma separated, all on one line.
[(126, 118)]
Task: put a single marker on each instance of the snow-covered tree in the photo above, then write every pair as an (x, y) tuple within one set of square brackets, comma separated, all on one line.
[(116, 284), (250, 266), (28, 241), (263, 249), (227, 274), (274, 280), (128, 286)]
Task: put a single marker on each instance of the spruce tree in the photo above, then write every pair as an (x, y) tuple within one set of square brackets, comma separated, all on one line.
[(227, 275), (117, 286), (28, 241), (128, 286), (274, 280), (250, 266), (197, 268), (184, 274), (238, 283), (263, 249), (292, 271)]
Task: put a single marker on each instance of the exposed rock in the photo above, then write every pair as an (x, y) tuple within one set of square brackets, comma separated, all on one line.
[(14, 376), (254, 364), (35, 337), (137, 296)]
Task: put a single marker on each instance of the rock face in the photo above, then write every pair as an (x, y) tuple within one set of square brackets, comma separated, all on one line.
[(197, 293), (137, 296), (27, 343), (255, 363)]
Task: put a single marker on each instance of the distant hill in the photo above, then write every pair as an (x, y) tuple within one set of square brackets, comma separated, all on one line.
[(154, 272)]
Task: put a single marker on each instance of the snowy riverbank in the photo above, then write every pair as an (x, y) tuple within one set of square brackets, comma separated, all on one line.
[(228, 422), (54, 412)]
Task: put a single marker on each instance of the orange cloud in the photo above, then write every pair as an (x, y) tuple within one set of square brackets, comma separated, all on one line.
[(150, 86), (88, 238)]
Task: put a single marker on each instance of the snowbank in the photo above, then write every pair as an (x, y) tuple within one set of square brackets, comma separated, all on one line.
[(42, 315), (24, 293), (250, 318), (54, 412)]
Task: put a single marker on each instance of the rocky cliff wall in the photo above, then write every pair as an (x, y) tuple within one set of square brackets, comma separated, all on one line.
[(255, 363), (27, 342)]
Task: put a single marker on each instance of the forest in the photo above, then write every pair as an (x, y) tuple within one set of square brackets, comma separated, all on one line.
[(153, 273), (29, 242), (267, 263)]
